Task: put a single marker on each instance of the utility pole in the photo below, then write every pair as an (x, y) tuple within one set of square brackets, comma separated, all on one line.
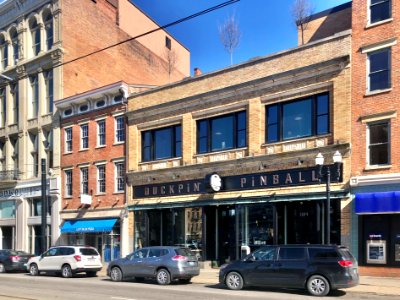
[(44, 206)]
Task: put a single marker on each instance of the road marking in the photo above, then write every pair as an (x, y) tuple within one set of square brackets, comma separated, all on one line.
[(120, 298)]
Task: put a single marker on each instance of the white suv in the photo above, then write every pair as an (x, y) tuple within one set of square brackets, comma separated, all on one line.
[(67, 260)]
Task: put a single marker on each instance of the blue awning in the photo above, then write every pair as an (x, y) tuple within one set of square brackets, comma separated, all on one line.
[(378, 203), (94, 225)]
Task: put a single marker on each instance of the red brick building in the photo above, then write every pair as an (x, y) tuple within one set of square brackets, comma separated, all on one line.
[(375, 135)]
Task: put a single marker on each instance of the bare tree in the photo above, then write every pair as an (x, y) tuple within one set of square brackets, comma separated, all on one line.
[(301, 12), (171, 57), (230, 35)]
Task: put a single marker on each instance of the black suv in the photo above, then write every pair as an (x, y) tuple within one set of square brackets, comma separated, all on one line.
[(317, 268)]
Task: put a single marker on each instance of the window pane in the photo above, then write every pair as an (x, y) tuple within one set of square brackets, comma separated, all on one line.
[(378, 155), (322, 125), (178, 141), (272, 114), (380, 10), (241, 121), (322, 104), (272, 133), (291, 253), (222, 133), (202, 133), (378, 133), (379, 81), (379, 60), (241, 139), (297, 119), (163, 143)]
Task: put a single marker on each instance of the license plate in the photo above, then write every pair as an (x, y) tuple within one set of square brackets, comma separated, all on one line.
[(192, 263)]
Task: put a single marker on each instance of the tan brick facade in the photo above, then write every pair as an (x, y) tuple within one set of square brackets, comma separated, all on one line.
[(317, 67)]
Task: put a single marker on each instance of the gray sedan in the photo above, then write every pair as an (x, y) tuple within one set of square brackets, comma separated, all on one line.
[(164, 263)]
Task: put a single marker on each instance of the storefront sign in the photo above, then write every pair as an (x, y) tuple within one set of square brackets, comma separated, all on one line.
[(33, 191), (292, 177)]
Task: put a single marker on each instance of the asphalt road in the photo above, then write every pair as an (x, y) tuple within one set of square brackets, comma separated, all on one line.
[(25, 287)]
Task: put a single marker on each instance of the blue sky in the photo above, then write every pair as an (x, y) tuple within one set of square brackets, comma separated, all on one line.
[(266, 25)]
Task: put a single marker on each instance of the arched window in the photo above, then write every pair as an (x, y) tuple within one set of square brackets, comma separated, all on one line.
[(35, 36), (3, 52), (15, 45), (48, 27)]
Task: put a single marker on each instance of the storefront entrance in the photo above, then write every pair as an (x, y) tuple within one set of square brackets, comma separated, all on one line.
[(227, 232), (7, 237)]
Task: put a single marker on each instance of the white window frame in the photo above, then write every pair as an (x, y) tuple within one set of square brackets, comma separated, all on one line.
[(99, 134), (368, 156), (117, 177), (84, 180), (68, 183), (84, 136), (68, 141), (382, 21), (101, 181), (116, 118)]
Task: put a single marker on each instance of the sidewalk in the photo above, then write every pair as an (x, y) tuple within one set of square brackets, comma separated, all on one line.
[(368, 284)]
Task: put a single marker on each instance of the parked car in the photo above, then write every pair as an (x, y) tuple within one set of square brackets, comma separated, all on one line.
[(164, 263), (317, 268), (66, 260), (13, 260)]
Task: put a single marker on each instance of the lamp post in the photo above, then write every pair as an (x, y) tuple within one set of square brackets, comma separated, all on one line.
[(319, 161)]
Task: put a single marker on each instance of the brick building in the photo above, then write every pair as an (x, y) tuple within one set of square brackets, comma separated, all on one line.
[(225, 161), (375, 130), (42, 43)]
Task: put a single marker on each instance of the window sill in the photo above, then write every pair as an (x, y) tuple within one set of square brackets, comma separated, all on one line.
[(220, 152), (160, 160), (99, 147), (100, 194), (373, 93), (377, 167), (83, 150), (121, 192), (118, 143), (372, 25), (67, 153), (67, 197)]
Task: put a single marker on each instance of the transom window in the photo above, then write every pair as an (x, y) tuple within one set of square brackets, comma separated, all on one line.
[(84, 136), (380, 10), (379, 69), (297, 119), (222, 133), (120, 129), (162, 143), (68, 139), (379, 143)]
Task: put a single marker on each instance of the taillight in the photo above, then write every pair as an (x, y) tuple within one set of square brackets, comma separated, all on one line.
[(345, 263), (77, 257), (179, 257), (15, 258)]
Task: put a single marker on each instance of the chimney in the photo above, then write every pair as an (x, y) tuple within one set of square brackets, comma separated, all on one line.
[(197, 72)]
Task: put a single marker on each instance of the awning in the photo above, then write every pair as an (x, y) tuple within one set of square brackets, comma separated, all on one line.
[(377, 203), (93, 225)]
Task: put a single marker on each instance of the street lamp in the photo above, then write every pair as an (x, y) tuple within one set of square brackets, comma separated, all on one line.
[(319, 161)]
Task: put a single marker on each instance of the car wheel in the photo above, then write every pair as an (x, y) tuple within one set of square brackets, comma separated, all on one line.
[(116, 274), (163, 277), (318, 285), (91, 274), (66, 271), (34, 270), (234, 281), (2, 268)]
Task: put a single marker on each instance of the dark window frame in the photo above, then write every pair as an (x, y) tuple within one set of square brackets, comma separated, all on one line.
[(209, 132), (314, 118), (149, 149)]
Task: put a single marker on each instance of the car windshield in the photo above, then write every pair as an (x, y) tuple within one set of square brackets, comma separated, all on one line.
[(88, 251)]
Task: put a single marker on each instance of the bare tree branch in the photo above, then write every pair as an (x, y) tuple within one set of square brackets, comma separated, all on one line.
[(230, 35), (301, 12)]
